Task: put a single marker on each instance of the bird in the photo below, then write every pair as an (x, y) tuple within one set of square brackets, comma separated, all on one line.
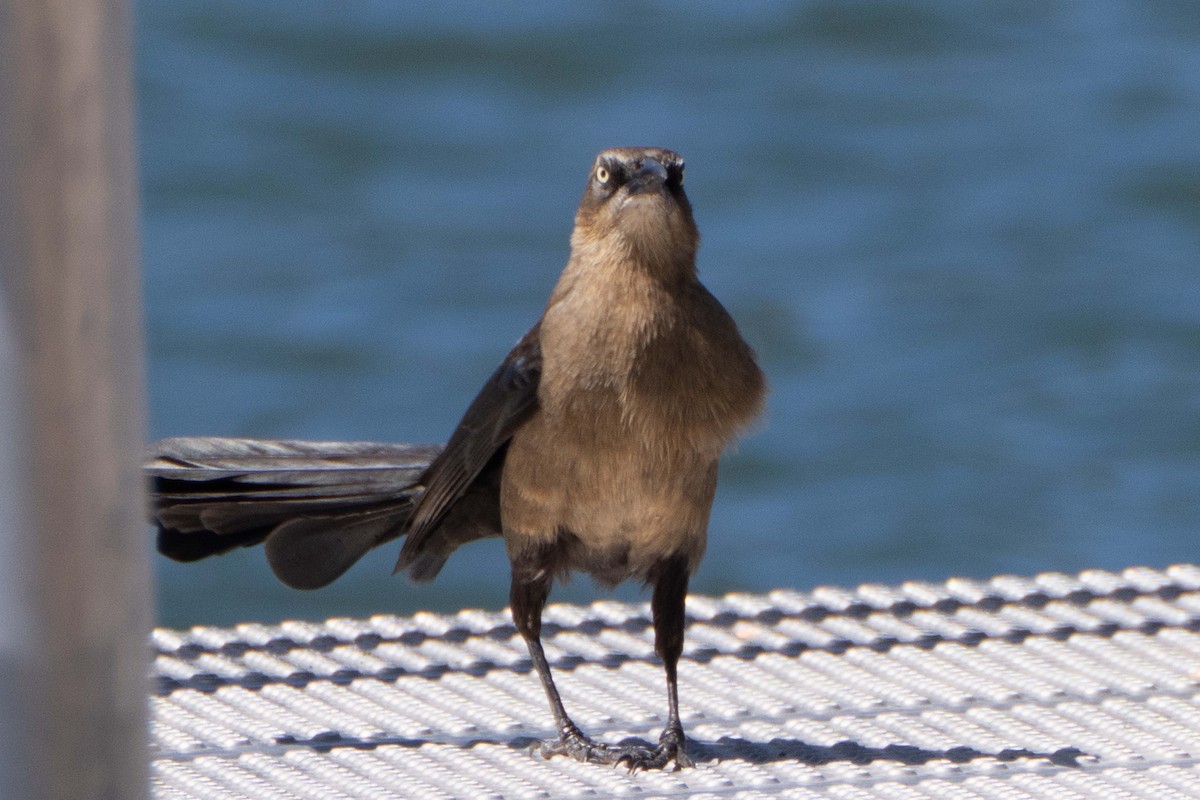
[(593, 448)]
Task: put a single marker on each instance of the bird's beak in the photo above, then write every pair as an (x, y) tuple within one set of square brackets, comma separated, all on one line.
[(649, 177)]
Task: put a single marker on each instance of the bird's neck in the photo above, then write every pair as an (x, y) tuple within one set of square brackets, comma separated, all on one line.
[(620, 260)]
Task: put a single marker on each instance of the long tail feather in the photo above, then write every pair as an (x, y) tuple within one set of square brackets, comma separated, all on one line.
[(319, 506)]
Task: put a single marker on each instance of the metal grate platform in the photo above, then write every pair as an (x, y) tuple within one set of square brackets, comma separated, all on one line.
[(1055, 686)]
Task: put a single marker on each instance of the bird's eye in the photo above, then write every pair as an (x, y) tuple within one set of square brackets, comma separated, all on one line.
[(602, 175)]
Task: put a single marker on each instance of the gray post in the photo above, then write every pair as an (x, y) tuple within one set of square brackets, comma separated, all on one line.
[(74, 562)]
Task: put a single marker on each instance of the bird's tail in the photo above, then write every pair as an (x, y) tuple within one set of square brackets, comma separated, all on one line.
[(317, 506)]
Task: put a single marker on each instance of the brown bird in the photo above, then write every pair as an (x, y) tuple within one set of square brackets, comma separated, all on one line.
[(592, 448)]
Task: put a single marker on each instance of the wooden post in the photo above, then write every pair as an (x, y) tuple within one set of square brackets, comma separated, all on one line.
[(74, 553)]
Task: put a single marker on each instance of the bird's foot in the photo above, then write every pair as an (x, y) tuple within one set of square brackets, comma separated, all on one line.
[(672, 746), (574, 743)]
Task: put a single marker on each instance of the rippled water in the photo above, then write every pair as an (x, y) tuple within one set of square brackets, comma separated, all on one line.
[(963, 238)]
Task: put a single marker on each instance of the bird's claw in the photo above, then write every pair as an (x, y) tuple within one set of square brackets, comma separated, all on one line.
[(672, 746)]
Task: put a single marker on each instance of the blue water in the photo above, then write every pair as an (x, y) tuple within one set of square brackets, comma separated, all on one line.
[(962, 237)]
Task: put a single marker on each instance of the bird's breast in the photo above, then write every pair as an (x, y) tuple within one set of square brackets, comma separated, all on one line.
[(662, 365), (636, 402)]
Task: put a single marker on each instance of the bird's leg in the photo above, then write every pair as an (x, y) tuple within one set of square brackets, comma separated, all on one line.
[(530, 588), (670, 594)]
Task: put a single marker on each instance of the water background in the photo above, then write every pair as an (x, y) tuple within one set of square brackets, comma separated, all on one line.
[(963, 238)]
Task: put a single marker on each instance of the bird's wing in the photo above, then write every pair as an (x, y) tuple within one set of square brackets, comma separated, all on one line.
[(507, 399)]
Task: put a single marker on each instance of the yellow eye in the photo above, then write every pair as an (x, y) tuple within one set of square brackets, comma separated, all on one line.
[(602, 174)]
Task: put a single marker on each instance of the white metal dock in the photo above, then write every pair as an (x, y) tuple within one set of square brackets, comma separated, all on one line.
[(1054, 686)]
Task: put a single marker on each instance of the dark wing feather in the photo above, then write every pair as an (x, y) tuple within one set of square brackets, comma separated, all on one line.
[(507, 399)]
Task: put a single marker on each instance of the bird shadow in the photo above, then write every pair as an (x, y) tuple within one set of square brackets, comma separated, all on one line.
[(729, 748)]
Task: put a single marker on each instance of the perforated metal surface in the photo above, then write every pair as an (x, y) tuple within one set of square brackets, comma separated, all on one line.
[(1055, 686)]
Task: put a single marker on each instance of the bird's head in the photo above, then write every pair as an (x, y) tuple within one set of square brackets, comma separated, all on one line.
[(634, 208)]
